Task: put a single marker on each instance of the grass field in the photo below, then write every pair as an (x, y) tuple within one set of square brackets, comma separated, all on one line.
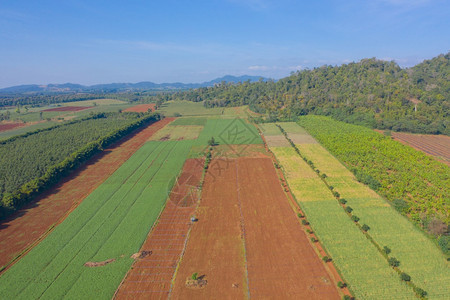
[(94, 102), (360, 263), (111, 223), (189, 121), (177, 133), (229, 132), (187, 108), (419, 256)]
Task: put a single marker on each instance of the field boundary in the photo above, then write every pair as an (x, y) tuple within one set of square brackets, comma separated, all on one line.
[(319, 249)]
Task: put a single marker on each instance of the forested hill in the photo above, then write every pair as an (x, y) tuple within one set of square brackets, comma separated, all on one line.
[(371, 92)]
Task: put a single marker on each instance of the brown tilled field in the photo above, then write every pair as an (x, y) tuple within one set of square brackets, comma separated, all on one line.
[(68, 108), (10, 126), (281, 262), (248, 242), (151, 275), (141, 108), (215, 248), (434, 145), (30, 224)]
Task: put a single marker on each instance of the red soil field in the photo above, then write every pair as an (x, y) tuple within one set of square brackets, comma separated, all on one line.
[(68, 108), (24, 229), (434, 145), (215, 248), (151, 276), (10, 126), (141, 107), (281, 262)]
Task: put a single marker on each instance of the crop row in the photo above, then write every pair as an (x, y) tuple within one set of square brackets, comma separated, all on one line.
[(111, 223), (418, 184), (364, 268)]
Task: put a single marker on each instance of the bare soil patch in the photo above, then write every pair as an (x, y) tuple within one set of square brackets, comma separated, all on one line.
[(434, 145), (68, 108), (11, 125), (215, 247), (141, 108), (92, 264), (29, 225), (281, 262)]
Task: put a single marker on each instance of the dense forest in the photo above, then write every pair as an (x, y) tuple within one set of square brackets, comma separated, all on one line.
[(35, 160), (374, 93)]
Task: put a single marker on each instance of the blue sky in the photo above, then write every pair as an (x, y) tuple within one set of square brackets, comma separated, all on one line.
[(91, 42)]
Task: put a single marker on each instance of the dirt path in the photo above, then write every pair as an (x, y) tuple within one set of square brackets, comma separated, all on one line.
[(151, 276), (281, 261), (28, 226), (215, 247)]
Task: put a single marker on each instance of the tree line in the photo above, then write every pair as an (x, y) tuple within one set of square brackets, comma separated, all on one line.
[(34, 161), (373, 93)]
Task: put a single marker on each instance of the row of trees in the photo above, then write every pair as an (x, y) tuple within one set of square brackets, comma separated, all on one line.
[(36, 160)]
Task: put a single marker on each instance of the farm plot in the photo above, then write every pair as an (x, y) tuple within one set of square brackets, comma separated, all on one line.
[(419, 256), (281, 261), (190, 121), (67, 108), (151, 275), (215, 249), (177, 133), (359, 262), (94, 102), (141, 107), (229, 132), (434, 145), (188, 108), (106, 229), (27, 226), (10, 126)]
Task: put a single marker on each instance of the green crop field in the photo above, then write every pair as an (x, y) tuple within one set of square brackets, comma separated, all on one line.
[(189, 121), (176, 133), (187, 108), (93, 102), (360, 263), (111, 223), (419, 256), (395, 170), (230, 132)]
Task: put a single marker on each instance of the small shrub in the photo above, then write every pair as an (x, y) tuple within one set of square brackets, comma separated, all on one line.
[(365, 227), (405, 277), (342, 201), (323, 175), (346, 297), (331, 187), (313, 239), (348, 209), (341, 284), (420, 292), (317, 171), (176, 114), (300, 215), (393, 262), (304, 222), (355, 219), (326, 259), (194, 276), (386, 250), (336, 194), (309, 231)]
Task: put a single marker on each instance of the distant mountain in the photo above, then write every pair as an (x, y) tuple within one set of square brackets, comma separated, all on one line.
[(118, 87)]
